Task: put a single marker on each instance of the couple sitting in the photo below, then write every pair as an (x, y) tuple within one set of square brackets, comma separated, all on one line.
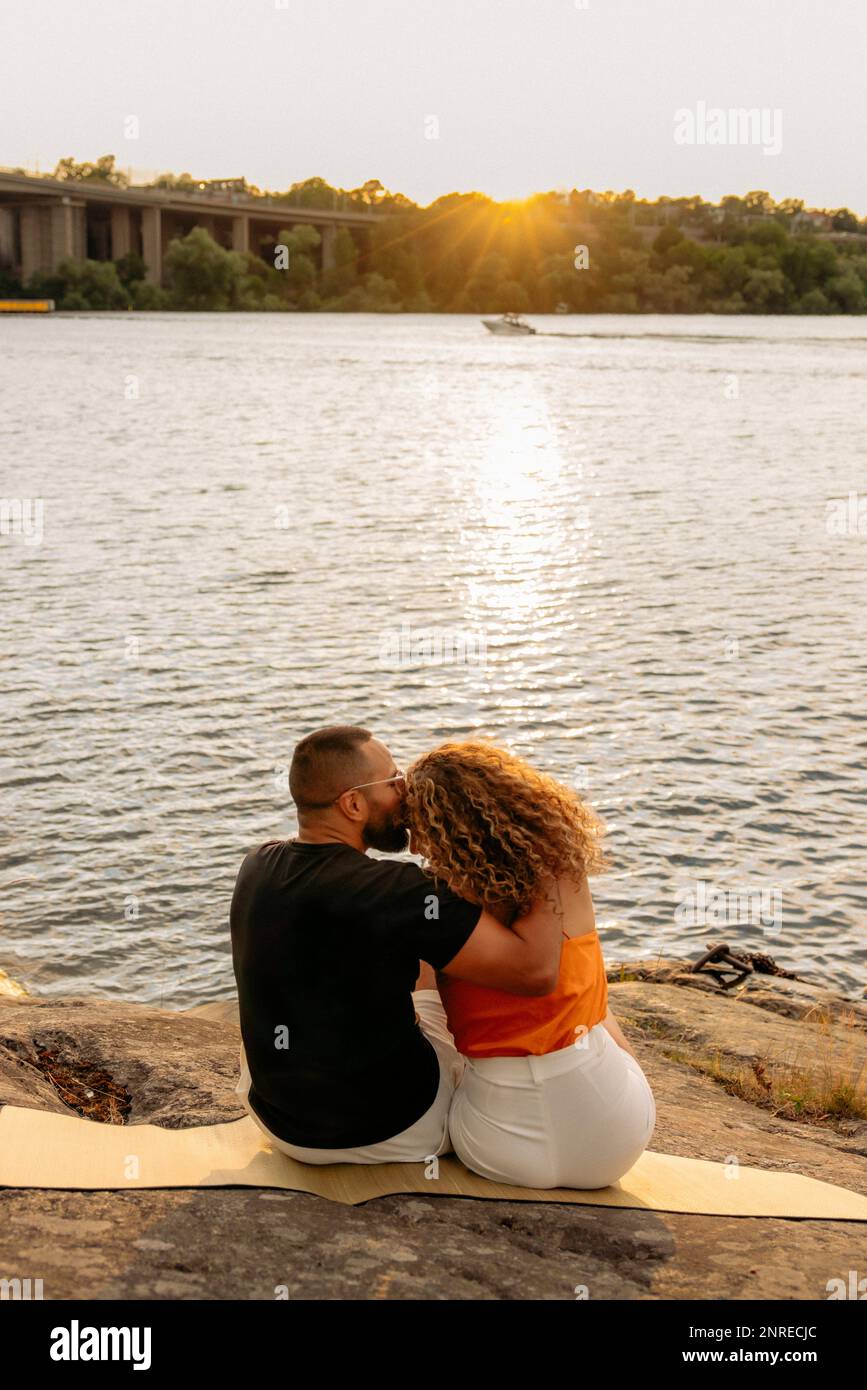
[(391, 1013)]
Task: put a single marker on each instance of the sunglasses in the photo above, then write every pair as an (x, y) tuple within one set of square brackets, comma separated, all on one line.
[(380, 781)]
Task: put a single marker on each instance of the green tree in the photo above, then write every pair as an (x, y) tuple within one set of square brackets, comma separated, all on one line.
[(10, 284), (667, 238), (485, 291), (807, 263), (259, 286), (558, 282), (312, 193), (394, 254), (296, 265), (370, 193), (102, 171), (846, 292), (184, 183), (130, 268), (145, 296), (769, 233), (759, 201), (340, 278), (373, 295), (82, 285), (203, 275), (765, 291), (843, 220), (814, 302)]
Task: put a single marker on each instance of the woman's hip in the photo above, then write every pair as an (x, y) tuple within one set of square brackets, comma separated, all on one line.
[(595, 1081), (579, 1117)]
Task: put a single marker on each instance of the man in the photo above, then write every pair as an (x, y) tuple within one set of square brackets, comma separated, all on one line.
[(336, 1064)]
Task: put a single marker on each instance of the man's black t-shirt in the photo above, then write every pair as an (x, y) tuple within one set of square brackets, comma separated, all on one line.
[(326, 946)]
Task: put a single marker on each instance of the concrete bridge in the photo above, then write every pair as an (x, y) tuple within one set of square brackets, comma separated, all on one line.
[(45, 220)]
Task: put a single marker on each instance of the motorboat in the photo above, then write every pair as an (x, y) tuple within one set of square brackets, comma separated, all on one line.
[(509, 323)]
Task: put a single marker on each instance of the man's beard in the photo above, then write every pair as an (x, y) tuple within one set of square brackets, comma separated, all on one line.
[(388, 836)]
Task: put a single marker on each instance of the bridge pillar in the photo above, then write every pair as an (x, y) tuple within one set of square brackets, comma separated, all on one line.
[(328, 234), (121, 231), (241, 233), (68, 231), (35, 240), (7, 237), (50, 233), (152, 244)]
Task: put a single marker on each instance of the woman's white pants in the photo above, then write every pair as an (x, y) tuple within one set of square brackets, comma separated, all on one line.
[(580, 1117)]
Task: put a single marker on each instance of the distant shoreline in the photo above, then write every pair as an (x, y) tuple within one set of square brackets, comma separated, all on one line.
[(174, 312), (581, 252)]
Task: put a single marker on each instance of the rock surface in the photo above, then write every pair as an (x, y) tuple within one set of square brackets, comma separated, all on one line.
[(240, 1243)]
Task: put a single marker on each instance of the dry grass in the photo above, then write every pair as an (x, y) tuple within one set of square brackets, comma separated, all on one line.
[(791, 1092), (829, 1088), (83, 1086)]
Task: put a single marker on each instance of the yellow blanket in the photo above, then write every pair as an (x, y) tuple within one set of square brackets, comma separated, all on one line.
[(38, 1149)]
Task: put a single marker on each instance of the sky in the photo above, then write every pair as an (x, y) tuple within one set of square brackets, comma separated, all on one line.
[(508, 97)]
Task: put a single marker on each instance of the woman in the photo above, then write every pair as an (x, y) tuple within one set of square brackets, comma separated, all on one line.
[(552, 1094)]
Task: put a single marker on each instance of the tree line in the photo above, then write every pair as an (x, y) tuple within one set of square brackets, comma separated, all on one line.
[(578, 252)]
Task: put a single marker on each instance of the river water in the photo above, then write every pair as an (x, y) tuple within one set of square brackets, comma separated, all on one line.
[(630, 551)]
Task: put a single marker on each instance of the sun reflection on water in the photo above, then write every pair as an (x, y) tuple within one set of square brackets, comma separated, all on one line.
[(521, 530)]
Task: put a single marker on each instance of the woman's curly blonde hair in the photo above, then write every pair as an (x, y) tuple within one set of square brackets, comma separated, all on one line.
[(493, 828)]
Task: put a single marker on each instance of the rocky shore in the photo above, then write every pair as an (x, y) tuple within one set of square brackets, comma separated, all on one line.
[(772, 1072)]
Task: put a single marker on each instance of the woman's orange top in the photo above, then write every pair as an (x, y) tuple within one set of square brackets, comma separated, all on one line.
[(492, 1023)]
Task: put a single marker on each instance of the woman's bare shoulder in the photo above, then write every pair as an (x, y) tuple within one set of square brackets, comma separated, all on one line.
[(579, 918)]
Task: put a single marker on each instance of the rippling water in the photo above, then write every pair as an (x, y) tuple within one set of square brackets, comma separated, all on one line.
[(250, 522)]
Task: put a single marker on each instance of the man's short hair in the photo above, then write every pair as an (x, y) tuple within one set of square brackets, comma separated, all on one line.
[(327, 763)]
